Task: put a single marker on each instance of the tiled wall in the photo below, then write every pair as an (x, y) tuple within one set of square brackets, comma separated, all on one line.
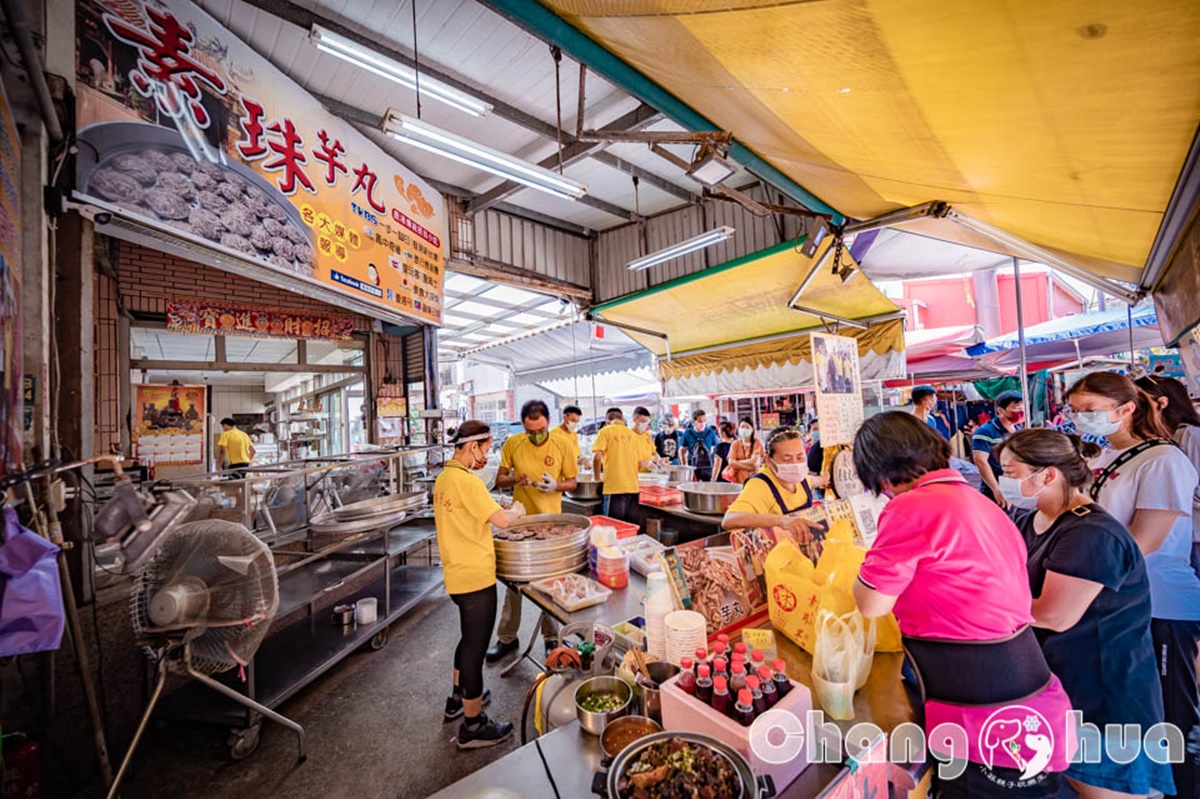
[(228, 400)]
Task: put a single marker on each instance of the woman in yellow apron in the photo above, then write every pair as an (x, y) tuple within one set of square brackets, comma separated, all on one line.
[(778, 490)]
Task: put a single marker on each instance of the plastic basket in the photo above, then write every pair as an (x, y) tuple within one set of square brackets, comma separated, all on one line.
[(624, 529), (660, 496)]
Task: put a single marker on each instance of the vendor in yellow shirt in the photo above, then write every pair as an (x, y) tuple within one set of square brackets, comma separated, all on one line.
[(463, 513), (641, 426), (538, 467), (619, 453), (235, 450), (567, 433), (778, 490)]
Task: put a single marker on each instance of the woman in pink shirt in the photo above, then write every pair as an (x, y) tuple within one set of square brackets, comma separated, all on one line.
[(952, 567)]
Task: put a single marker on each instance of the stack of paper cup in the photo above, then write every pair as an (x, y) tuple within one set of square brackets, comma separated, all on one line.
[(686, 632), (659, 603)]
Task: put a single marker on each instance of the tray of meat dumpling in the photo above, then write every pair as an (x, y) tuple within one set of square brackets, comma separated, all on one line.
[(542, 545)]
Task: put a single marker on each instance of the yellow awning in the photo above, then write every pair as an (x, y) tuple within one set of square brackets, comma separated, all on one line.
[(744, 301), (1063, 123)]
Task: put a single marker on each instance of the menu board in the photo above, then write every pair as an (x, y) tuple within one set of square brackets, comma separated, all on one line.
[(169, 429), (186, 128), (839, 387)]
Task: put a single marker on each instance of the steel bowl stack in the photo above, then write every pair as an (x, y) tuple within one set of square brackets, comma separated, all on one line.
[(587, 489), (536, 559)]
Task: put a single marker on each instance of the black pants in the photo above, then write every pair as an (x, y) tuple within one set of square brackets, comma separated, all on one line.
[(623, 508), (476, 615), (975, 783), (239, 471), (1175, 647)]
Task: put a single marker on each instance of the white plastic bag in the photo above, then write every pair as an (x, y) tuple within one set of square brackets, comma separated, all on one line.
[(842, 655)]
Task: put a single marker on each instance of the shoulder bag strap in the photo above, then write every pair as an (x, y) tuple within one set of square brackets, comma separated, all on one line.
[(1125, 457), (783, 508)]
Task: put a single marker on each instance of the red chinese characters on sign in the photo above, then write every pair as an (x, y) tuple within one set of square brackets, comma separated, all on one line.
[(194, 316), (251, 144), (166, 69), (328, 154), (366, 181), (286, 144)]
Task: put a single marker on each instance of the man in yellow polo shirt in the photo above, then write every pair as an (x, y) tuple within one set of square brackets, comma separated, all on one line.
[(235, 450), (566, 433), (619, 453), (538, 467)]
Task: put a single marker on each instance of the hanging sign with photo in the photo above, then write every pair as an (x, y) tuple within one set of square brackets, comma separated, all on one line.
[(839, 387)]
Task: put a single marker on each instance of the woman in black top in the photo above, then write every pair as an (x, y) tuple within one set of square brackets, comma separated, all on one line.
[(1091, 605), (721, 454)]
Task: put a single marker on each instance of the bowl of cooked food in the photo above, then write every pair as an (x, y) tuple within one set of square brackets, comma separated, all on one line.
[(542, 545), (600, 700), (666, 765), (620, 733)]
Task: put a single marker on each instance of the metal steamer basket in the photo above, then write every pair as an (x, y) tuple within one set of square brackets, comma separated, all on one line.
[(381, 506), (710, 498), (751, 787), (536, 559), (586, 490)]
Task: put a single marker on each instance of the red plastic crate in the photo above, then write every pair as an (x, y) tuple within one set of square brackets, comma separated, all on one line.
[(624, 529), (660, 496)]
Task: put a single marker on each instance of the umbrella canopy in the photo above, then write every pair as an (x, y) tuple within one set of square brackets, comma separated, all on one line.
[(1096, 333)]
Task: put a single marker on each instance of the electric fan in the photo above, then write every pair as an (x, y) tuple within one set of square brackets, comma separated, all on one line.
[(202, 604)]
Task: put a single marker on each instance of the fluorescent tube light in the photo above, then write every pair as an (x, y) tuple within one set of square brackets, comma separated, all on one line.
[(349, 50), (708, 239), (449, 145)]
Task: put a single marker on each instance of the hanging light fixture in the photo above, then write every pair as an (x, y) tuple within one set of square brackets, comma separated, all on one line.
[(709, 168), (450, 145), (365, 58), (715, 236)]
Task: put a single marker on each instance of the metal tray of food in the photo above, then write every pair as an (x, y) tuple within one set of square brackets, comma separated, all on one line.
[(328, 524), (536, 558)]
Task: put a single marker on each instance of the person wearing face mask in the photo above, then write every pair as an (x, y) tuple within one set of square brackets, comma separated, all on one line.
[(952, 567), (699, 442), (666, 443), (925, 408), (1091, 594), (1181, 418), (1010, 414), (1148, 484), (618, 454), (641, 426), (778, 490), (746, 454), (567, 433), (463, 515), (538, 468)]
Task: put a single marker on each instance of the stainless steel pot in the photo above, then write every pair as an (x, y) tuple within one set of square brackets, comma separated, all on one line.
[(535, 559), (711, 498), (587, 490), (649, 696), (680, 474), (750, 788), (596, 722)]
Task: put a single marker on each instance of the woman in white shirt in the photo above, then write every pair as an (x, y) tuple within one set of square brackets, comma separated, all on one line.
[(1147, 482), (1180, 415)]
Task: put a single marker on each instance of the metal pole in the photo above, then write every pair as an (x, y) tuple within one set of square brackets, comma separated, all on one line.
[(1021, 332), (1132, 355)]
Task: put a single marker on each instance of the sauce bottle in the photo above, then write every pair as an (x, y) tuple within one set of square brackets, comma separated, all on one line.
[(721, 701), (720, 668), (766, 684), (719, 651), (737, 677), (701, 658), (704, 683), (724, 639), (740, 648), (743, 711), (687, 679), (758, 659), (780, 678), (756, 694)]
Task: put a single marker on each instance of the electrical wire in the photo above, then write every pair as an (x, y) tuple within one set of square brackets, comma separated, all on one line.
[(537, 744), (416, 60)]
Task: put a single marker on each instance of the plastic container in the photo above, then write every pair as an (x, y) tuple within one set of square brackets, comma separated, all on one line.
[(572, 592), (624, 529), (366, 610), (682, 712), (660, 496), (612, 567), (643, 554), (686, 630)]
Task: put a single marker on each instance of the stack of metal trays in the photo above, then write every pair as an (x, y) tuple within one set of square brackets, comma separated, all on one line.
[(369, 514), (537, 559)]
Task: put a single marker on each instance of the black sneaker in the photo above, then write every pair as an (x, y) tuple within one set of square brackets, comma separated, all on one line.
[(483, 733), (500, 649), (454, 705)]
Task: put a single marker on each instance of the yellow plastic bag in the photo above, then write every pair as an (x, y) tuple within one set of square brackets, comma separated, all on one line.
[(792, 594)]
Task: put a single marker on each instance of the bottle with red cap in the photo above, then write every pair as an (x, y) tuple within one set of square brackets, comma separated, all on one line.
[(720, 668), (743, 711), (758, 659), (719, 651), (737, 676), (701, 658), (704, 683), (721, 701), (740, 648), (760, 703), (724, 639), (687, 679), (780, 678), (766, 684)]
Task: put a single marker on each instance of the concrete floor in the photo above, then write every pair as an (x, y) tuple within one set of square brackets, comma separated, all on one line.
[(374, 725)]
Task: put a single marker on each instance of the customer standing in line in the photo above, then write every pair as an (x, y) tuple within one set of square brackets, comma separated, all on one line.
[(1148, 484), (618, 454), (463, 514), (699, 442), (727, 434), (1091, 605), (1010, 414), (666, 443), (952, 566), (538, 467), (1181, 418), (746, 454)]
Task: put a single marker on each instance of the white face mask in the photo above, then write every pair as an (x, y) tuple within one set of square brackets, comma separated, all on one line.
[(790, 472), (745, 433), (1010, 489), (572, 426), (1096, 423), (641, 427)]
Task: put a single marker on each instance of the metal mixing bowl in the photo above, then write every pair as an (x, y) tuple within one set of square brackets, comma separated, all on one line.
[(596, 722), (710, 498)]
